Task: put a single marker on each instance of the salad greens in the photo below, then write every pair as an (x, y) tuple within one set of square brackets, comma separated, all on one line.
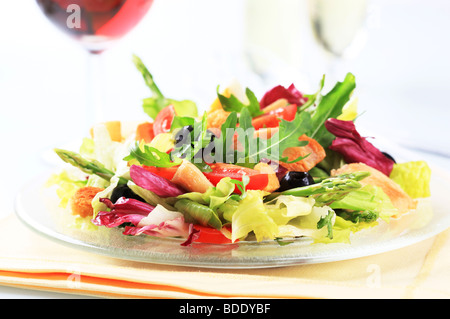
[(327, 221), (150, 156), (329, 189), (233, 104), (330, 106), (221, 183), (258, 148), (414, 177), (89, 167), (154, 104)]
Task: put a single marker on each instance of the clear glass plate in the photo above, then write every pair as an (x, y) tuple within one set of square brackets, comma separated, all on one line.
[(38, 207)]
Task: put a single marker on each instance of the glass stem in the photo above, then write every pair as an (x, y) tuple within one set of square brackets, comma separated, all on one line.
[(333, 69), (95, 112)]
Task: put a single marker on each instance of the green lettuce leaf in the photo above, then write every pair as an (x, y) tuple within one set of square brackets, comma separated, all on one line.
[(66, 184), (413, 177), (153, 105), (330, 106), (214, 196), (251, 216), (286, 207), (308, 225), (227, 209)]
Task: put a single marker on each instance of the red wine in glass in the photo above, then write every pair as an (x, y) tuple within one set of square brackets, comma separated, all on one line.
[(95, 23)]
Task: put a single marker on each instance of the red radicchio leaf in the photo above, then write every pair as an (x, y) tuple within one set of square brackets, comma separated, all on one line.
[(125, 210), (152, 182), (169, 228), (356, 149), (112, 219), (291, 94), (193, 236), (128, 205)]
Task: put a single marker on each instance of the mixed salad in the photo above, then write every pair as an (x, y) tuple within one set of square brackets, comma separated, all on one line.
[(283, 166)]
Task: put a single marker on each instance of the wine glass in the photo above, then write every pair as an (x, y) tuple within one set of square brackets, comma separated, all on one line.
[(96, 25), (338, 28)]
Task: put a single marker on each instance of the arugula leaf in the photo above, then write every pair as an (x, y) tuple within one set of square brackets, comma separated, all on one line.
[(257, 148), (328, 222), (222, 154), (288, 135), (153, 105), (151, 156), (242, 186), (290, 131), (330, 106), (232, 103), (201, 138), (312, 98), (245, 134), (245, 119), (366, 216)]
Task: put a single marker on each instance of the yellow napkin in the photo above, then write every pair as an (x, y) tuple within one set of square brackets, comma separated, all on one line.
[(32, 261)]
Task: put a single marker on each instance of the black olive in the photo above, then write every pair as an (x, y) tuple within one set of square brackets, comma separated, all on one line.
[(295, 179), (213, 136), (124, 191), (389, 156), (182, 137)]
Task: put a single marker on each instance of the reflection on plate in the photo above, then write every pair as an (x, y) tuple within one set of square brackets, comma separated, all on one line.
[(37, 207)]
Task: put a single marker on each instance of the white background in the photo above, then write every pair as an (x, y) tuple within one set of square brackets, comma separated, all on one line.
[(402, 72)]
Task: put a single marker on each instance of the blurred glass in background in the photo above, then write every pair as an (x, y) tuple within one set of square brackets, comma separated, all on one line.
[(397, 49), (284, 38), (96, 26), (338, 27)]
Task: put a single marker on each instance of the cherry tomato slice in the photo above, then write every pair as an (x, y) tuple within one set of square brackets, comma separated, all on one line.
[(287, 112), (268, 120), (163, 120), (220, 170), (211, 235), (272, 119)]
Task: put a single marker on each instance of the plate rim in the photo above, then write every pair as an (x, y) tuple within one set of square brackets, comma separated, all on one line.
[(278, 261)]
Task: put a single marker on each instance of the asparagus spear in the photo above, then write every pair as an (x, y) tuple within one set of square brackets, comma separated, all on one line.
[(328, 190), (89, 167), (148, 78)]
